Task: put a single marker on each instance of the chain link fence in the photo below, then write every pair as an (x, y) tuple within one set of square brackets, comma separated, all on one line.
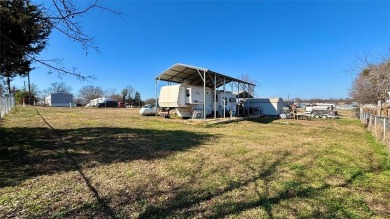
[(6, 104), (378, 125)]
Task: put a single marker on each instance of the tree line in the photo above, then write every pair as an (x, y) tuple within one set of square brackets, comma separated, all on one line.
[(127, 95), (325, 100)]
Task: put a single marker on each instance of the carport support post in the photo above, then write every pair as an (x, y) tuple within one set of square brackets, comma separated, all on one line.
[(238, 108), (215, 96), (156, 97), (204, 95), (224, 96)]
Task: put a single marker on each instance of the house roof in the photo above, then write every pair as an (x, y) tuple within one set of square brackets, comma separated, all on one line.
[(192, 75)]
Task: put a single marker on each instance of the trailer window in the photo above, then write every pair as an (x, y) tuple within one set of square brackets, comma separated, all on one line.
[(188, 92)]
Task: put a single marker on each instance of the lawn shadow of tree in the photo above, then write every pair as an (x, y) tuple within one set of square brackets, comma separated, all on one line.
[(185, 198), (183, 203), (30, 152), (263, 120)]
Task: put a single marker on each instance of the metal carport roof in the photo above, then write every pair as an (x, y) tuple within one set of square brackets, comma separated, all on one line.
[(196, 76), (192, 75)]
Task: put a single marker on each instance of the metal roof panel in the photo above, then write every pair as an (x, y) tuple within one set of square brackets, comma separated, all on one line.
[(182, 73)]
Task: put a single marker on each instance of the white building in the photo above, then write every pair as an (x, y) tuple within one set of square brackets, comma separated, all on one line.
[(266, 106), (59, 99)]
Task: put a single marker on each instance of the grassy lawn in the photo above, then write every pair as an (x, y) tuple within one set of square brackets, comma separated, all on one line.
[(113, 163)]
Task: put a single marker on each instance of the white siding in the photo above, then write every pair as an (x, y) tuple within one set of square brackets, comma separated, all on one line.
[(269, 106), (59, 99)]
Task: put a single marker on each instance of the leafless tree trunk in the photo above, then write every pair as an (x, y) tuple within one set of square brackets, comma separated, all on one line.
[(90, 92), (130, 92)]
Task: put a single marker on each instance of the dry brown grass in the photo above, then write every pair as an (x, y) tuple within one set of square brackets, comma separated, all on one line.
[(102, 163)]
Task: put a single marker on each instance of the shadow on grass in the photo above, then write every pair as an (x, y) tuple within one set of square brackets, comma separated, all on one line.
[(186, 202), (186, 198), (29, 152), (263, 120)]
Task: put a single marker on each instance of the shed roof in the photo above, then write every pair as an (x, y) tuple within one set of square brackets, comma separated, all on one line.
[(58, 93), (267, 100), (192, 75)]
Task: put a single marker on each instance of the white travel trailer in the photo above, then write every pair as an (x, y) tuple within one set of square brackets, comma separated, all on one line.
[(188, 100), (95, 102), (185, 99)]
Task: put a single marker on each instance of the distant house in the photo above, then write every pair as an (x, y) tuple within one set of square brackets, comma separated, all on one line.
[(59, 99), (268, 106)]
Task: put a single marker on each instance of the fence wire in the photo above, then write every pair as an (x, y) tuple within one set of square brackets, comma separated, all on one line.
[(378, 125), (6, 104)]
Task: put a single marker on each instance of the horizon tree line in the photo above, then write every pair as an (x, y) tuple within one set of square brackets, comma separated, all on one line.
[(87, 93)]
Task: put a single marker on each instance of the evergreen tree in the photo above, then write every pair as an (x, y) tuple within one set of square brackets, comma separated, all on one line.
[(137, 99), (24, 34)]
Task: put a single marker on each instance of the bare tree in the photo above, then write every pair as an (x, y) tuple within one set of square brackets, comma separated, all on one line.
[(58, 87), (150, 101), (372, 83), (90, 92), (34, 90), (130, 92), (110, 92), (247, 78)]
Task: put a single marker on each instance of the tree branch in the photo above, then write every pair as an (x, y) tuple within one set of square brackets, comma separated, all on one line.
[(63, 21), (62, 70)]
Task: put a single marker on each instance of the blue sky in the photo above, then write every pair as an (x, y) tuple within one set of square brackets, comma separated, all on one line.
[(290, 48)]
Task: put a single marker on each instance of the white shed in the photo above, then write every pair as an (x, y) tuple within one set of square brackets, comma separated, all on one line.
[(59, 99), (267, 106)]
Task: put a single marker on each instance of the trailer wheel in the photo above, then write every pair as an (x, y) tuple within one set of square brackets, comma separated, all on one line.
[(324, 116), (316, 116)]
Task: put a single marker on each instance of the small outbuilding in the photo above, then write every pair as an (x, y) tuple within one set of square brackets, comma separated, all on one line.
[(267, 106), (59, 99)]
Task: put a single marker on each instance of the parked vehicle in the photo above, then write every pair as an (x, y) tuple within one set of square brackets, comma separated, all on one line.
[(108, 103), (148, 110)]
